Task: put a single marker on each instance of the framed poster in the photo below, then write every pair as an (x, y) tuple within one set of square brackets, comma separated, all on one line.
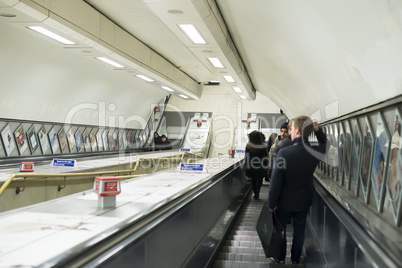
[(63, 140), (21, 140), (110, 139), (43, 140), (54, 141), (86, 139), (32, 139), (120, 137), (125, 142), (380, 158), (70, 140), (128, 139), (78, 140), (116, 139), (92, 139), (99, 139), (104, 139), (8, 140)]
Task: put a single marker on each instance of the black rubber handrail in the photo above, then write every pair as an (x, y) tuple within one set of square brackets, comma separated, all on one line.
[(362, 239)]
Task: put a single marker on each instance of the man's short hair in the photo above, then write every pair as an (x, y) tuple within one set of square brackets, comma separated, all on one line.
[(305, 124)]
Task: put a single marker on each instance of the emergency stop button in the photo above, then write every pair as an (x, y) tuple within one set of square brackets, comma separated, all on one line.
[(107, 188)]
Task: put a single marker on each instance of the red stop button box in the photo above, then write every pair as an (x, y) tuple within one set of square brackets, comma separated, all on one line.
[(27, 167), (107, 186)]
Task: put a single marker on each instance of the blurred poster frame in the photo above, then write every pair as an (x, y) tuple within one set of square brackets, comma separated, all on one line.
[(380, 159), (63, 140), (86, 139), (54, 140), (394, 182), (32, 139), (79, 140), (43, 139), (8, 140), (20, 138), (92, 139), (71, 140)]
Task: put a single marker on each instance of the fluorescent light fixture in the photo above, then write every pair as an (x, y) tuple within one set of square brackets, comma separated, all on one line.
[(192, 33), (237, 89), (167, 88), (106, 60), (52, 35), (228, 78), (183, 96), (216, 62), (243, 97), (145, 78)]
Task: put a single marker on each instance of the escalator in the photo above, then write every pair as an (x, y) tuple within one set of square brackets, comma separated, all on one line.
[(242, 247)]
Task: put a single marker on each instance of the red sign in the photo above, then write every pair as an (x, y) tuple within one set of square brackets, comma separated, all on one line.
[(110, 186), (27, 166)]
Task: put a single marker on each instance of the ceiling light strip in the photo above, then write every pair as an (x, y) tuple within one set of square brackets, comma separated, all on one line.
[(229, 78), (216, 62), (52, 35), (237, 89), (110, 62), (145, 78), (167, 88), (192, 33)]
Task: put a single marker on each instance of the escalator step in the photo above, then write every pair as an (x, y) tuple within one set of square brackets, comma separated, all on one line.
[(244, 228), (251, 244), (230, 249), (233, 264), (253, 257), (240, 232), (244, 237), (242, 247)]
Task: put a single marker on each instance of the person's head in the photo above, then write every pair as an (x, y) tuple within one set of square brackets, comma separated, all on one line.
[(256, 138), (272, 137), (164, 138), (301, 126), (284, 130), (156, 135)]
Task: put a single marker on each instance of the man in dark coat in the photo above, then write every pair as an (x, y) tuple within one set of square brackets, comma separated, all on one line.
[(291, 188), (164, 144)]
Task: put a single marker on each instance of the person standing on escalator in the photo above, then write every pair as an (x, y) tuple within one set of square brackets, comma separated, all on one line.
[(256, 160), (291, 190)]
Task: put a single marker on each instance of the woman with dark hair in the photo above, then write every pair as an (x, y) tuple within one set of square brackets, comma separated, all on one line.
[(157, 141), (256, 160)]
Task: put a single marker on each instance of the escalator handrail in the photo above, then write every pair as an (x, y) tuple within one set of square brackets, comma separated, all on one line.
[(365, 243)]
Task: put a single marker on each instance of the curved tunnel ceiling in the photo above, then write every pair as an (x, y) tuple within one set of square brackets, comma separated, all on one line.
[(332, 56), (316, 58), (309, 57)]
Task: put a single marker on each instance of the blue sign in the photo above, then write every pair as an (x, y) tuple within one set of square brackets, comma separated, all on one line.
[(241, 151), (185, 150), (64, 163), (191, 167)]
